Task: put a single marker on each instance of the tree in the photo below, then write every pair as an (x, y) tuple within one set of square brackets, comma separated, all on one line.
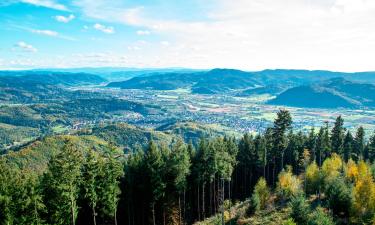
[(359, 141), (370, 148), (311, 144), (349, 146), (112, 171), (337, 136), (281, 124), (61, 185), (332, 167), (91, 171), (288, 185), (312, 176), (323, 148), (338, 197), (155, 166), (262, 191), (363, 207), (179, 167), (300, 209), (319, 217)]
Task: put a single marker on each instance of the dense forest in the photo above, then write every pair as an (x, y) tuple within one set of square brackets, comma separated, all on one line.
[(325, 176)]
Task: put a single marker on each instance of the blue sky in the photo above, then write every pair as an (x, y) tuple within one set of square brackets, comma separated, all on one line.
[(244, 34)]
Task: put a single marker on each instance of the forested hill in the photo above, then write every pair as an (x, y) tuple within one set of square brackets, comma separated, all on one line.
[(24, 78), (333, 93), (283, 176), (226, 80)]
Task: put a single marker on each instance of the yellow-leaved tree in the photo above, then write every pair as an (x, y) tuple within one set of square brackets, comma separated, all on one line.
[(312, 176), (288, 185), (363, 207)]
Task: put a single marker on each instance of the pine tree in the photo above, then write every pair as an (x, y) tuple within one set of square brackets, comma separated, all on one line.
[(349, 146), (179, 167), (155, 165), (91, 171), (281, 124), (109, 183), (61, 185), (337, 136), (359, 145)]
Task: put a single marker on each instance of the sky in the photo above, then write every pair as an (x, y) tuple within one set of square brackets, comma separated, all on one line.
[(243, 34)]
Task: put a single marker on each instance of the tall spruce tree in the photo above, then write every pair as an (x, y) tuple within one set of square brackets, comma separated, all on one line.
[(281, 124), (337, 136), (61, 185), (359, 145)]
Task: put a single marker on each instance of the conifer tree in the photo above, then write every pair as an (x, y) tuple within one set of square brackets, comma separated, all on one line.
[(359, 144), (109, 184), (349, 146), (155, 164), (61, 185), (337, 136), (281, 124)]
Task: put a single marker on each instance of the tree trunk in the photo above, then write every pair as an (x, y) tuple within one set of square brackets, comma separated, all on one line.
[(115, 216), (72, 205), (164, 215), (184, 215), (199, 203), (179, 209), (153, 213), (203, 203), (94, 214)]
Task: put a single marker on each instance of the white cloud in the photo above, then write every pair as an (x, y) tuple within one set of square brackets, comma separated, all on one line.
[(105, 29), (46, 32), (65, 19), (164, 43), (26, 47), (143, 32), (47, 3)]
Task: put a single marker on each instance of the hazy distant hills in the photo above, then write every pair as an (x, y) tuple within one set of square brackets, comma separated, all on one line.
[(218, 81), (333, 93), (29, 86)]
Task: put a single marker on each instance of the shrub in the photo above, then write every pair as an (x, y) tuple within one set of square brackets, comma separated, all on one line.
[(312, 176), (319, 217), (288, 185), (300, 209), (338, 196), (262, 191), (289, 222), (254, 205)]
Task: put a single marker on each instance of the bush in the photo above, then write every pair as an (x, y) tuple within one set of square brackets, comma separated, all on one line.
[(262, 191), (319, 217), (338, 197), (254, 205), (288, 185), (289, 222), (312, 176), (300, 209)]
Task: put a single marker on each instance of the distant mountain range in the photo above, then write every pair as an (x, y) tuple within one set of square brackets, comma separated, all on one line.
[(28, 86), (302, 88), (218, 81)]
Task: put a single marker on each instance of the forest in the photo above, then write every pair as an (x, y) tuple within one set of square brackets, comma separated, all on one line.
[(325, 176)]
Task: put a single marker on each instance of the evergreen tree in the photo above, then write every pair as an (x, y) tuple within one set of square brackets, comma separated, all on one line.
[(179, 167), (155, 165), (281, 124), (91, 172), (337, 136), (61, 185), (359, 145), (109, 184), (370, 148), (349, 146)]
